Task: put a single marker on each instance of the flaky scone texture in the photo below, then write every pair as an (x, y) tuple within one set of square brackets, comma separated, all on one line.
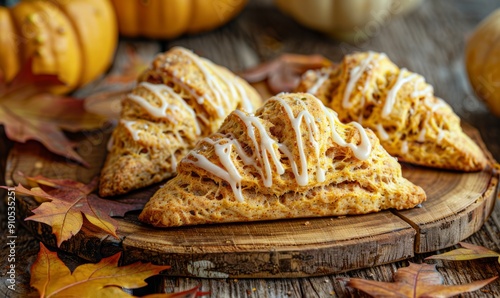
[(178, 100), (400, 107), (292, 159)]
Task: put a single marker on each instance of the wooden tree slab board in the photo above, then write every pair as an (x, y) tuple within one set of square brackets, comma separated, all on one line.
[(457, 206)]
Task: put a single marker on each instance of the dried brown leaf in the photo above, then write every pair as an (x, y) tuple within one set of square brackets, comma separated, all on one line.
[(28, 112), (68, 201), (283, 73), (416, 280)]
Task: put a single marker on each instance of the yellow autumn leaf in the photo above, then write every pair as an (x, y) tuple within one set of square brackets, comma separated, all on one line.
[(51, 277), (467, 252)]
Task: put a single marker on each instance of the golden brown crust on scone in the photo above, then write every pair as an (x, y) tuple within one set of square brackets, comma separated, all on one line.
[(292, 159), (400, 107), (178, 100), (212, 90)]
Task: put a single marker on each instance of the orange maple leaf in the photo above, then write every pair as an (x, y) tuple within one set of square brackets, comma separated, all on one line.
[(51, 277), (29, 112), (416, 280), (66, 202)]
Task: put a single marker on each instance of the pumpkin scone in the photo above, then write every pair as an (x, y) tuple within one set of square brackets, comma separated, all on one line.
[(178, 100), (400, 107), (293, 158)]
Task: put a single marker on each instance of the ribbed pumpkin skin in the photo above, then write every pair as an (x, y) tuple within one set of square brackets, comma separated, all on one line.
[(9, 61), (482, 61), (169, 19), (74, 39)]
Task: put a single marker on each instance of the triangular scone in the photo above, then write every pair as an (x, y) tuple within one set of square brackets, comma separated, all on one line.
[(292, 159), (179, 100), (411, 122)]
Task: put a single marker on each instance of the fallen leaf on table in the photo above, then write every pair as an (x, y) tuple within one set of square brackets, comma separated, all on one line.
[(416, 280), (283, 73), (115, 207), (66, 202), (134, 66), (467, 252), (52, 278), (28, 112)]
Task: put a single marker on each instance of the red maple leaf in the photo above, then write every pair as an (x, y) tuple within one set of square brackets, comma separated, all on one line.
[(29, 112)]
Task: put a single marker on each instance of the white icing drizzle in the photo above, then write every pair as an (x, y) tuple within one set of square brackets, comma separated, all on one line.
[(237, 90), (231, 174), (203, 119), (421, 135), (265, 146), (404, 147), (435, 106), (265, 155), (354, 76), (404, 77), (161, 112), (204, 163), (440, 135), (304, 115), (192, 92), (213, 84), (361, 151), (223, 149), (128, 125), (319, 82), (184, 84), (426, 92), (367, 64), (381, 132), (173, 161), (391, 96), (230, 81)]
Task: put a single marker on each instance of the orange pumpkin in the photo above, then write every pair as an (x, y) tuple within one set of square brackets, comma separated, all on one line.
[(74, 39), (168, 19), (482, 61)]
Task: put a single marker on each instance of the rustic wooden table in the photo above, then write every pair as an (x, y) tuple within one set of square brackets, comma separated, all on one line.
[(429, 41)]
